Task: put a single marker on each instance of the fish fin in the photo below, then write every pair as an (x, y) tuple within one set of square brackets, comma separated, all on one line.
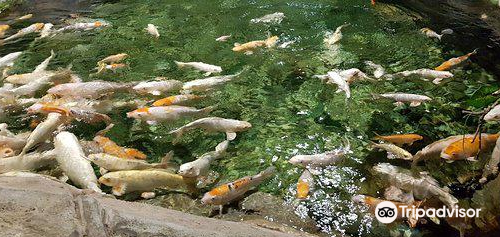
[(207, 74), (221, 147), (398, 103), (63, 178), (230, 136), (473, 159), (447, 32), (119, 189), (248, 52), (437, 81), (391, 156), (191, 184), (177, 135), (237, 44), (179, 64), (208, 109), (103, 171), (415, 103), (155, 92), (151, 122), (449, 161), (148, 195)]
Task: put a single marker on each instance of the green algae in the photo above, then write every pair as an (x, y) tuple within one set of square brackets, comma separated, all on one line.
[(291, 112)]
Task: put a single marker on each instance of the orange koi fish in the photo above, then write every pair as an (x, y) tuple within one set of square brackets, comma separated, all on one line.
[(399, 139), (305, 185), (468, 148), (446, 66), (110, 147), (227, 193), (177, 100)]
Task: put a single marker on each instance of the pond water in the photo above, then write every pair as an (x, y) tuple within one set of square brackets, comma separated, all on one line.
[(290, 111)]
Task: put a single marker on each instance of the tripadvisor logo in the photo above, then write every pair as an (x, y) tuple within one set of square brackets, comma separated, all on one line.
[(387, 212)]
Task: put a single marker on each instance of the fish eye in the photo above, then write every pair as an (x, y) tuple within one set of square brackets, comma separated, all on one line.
[(213, 198)]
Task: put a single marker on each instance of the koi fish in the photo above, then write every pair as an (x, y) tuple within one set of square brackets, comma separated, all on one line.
[(177, 100), (249, 47), (154, 115), (401, 98), (110, 147), (215, 124), (467, 149), (223, 38), (320, 160), (274, 18), (393, 151), (111, 67), (32, 161), (435, 75), (9, 59), (400, 139), (433, 150), (113, 59), (113, 163), (43, 131), (305, 185), (432, 34), (422, 187), (206, 84), (152, 30), (451, 63), (204, 67), (378, 70), (127, 181), (39, 72), (201, 166), (73, 162), (493, 114), (3, 29), (335, 37), (158, 87), (228, 192), (491, 168), (84, 26), (46, 30), (91, 90), (37, 27)]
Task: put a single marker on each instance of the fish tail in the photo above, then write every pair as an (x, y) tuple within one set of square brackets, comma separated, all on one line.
[(191, 185), (446, 32), (177, 134), (165, 161), (268, 172), (222, 147), (179, 64), (208, 109), (439, 37), (474, 52), (375, 96)]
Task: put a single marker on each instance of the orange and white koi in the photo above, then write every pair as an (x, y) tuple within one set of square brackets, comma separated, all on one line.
[(228, 192), (451, 63), (84, 26), (305, 185), (110, 147), (249, 47), (37, 27), (432, 34), (178, 100), (3, 30), (154, 115), (468, 148), (399, 139)]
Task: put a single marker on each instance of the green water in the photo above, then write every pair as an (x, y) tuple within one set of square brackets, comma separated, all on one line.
[(291, 112)]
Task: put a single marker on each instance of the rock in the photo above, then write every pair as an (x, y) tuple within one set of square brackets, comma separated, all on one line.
[(180, 202), (275, 209), (38, 206)]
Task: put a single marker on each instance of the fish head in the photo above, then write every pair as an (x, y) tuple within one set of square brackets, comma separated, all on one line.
[(189, 170), (94, 157), (35, 108), (358, 199), (492, 117), (244, 125), (141, 88), (109, 180), (210, 199), (298, 160), (138, 113)]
